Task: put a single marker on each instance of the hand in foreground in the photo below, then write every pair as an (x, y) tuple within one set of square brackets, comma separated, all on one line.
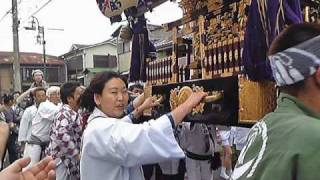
[(138, 100), (195, 98), (150, 102), (185, 108), (44, 170)]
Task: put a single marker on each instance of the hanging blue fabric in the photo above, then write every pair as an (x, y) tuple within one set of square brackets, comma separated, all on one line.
[(101, 5), (141, 49), (261, 29)]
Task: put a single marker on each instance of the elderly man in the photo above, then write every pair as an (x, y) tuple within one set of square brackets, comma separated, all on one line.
[(41, 124), (283, 145)]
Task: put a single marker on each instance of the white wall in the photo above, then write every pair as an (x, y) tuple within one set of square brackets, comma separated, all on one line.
[(124, 61), (98, 50)]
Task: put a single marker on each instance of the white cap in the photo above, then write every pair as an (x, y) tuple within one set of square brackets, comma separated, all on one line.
[(36, 71)]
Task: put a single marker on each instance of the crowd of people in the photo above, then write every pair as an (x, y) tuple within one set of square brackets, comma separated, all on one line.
[(74, 132)]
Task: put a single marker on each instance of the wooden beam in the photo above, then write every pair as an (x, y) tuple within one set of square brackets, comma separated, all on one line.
[(208, 12), (184, 20)]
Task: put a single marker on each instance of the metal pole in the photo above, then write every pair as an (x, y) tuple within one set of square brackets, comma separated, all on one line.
[(16, 60), (44, 54), (118, 60)]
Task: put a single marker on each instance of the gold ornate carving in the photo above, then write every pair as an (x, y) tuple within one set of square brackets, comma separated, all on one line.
[(179, 96), (256, 99), (147, 93)]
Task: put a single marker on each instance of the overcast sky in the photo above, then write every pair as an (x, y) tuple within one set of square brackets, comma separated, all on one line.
[(81, 21)]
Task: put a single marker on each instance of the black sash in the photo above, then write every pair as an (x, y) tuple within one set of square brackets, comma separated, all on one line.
[(198, 156)]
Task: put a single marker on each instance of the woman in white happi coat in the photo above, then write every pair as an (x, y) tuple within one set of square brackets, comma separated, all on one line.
[(173, 169), (114, 148)]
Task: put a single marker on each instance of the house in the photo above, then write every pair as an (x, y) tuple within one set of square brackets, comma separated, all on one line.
[(165, 47), (55, 68), (83, 61), (156, 33)]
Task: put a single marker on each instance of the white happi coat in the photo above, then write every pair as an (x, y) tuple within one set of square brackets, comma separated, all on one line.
[(26, 122), (171, 167), (40, 130), (41, 123), (115, 149)]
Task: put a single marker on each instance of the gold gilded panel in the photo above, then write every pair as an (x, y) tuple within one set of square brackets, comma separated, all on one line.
[(256, 99)]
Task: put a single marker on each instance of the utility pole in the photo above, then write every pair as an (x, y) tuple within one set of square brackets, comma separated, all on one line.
[(41, 40), (35, 25), (16, 60), (44, 54)]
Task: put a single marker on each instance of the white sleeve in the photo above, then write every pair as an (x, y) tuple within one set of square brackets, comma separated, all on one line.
[(47, 111), (132, 144), (24, 125)]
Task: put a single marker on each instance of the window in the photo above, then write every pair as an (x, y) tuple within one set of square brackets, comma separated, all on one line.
[(127, 46), (53, 74), (124, 47), (120, 48), (75, 64), (108, 61)]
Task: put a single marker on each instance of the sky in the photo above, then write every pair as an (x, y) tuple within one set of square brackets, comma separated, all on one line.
[(67, 22)]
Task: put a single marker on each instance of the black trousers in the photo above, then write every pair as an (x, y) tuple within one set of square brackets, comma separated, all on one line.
[(148, 171), (13, 147), (161, 176)]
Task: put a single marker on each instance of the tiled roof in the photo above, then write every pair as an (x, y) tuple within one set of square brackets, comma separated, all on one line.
[(79, 47), (29, 58)]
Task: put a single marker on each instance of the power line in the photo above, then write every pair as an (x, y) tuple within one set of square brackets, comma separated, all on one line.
[(34, 13), (5, 15), (8, 12)]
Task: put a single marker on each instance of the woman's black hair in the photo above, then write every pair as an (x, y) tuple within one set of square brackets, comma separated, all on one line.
[(7, 98), (96, 87)]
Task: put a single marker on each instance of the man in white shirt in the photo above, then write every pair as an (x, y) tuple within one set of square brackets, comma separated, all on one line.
[(28, 115), (41, 125), (199, 148)]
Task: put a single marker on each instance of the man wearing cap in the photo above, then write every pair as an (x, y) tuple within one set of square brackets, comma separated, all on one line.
[(37, 76), (283, 145)]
